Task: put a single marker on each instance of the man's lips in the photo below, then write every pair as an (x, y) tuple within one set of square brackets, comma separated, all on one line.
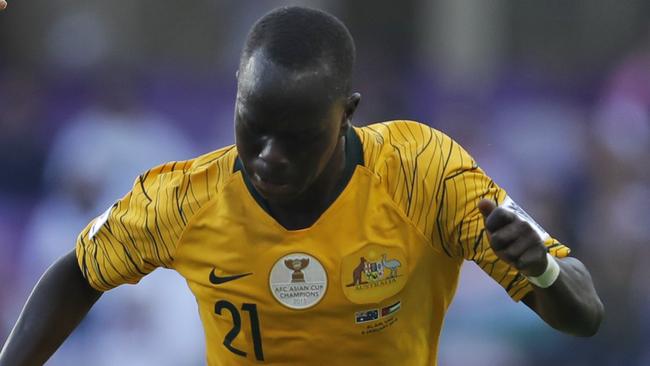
[(270, 188)]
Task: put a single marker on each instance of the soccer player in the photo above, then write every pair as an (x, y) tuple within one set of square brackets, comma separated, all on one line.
[(311, 241)]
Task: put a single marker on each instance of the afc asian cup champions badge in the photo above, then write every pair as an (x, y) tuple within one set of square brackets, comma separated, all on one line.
[(298, 281)]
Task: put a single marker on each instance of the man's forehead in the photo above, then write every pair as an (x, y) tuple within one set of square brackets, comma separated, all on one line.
[(259, 76)]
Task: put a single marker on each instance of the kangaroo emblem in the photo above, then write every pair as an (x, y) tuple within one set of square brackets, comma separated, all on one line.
[(356, 274)]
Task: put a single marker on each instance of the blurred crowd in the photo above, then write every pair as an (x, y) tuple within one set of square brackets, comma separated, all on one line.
[(552, 100)]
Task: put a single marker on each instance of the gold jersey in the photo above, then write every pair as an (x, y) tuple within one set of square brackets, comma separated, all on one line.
[(368, 283)]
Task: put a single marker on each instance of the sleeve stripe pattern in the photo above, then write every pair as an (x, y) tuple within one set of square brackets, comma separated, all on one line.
[(438, 185), (143, 229)]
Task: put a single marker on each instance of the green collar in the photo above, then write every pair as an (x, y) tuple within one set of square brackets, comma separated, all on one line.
[(353, 157)]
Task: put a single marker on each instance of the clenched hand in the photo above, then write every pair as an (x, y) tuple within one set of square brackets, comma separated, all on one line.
[(513, 239)]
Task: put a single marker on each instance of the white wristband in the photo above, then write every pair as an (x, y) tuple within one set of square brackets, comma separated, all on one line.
[(549, 276)]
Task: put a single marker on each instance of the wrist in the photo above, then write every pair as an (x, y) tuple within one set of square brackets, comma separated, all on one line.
[(550, 274)]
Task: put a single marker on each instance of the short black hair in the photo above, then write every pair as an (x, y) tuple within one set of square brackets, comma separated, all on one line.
[(300, 38)]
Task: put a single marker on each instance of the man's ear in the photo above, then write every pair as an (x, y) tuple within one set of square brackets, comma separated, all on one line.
[(351, 104)]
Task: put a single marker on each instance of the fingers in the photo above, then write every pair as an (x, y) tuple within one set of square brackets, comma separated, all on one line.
[(486, 207), (3, 4), (498, 218), (513, 240), (505, 235), (511, 252), (532, 262), (525, 253)]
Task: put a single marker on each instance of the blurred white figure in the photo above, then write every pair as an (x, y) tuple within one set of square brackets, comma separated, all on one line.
[(93, 162)]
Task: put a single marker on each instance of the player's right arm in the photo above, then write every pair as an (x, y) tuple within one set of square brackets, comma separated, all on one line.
[(58, 303), (133, 237)]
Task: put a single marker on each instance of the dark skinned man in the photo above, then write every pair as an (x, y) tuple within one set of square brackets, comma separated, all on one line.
[(310, 240)]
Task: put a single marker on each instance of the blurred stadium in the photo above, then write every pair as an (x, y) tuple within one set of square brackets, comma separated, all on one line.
[(551, 97)]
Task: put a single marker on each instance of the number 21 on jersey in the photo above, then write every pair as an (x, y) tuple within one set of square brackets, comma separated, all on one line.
[(224, 305)]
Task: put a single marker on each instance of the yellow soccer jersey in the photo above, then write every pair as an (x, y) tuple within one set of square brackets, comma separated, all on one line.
[(368, 283)]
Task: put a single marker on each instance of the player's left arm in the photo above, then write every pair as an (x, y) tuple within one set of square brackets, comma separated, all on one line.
[(570, 302)]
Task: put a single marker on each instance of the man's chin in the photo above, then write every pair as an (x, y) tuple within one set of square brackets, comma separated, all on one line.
[(277, 193)]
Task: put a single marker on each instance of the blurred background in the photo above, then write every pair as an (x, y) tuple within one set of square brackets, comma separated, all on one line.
[(551, 97)]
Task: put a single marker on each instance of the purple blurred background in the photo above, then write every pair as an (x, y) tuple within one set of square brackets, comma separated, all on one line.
[(552, 98)]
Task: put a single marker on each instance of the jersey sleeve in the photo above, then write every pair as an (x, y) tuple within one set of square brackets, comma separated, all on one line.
[(139, 232), (438, 185), (460, 224)]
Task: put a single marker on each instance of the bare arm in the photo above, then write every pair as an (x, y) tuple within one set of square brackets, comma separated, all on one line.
[(570, 304), (58, 303)]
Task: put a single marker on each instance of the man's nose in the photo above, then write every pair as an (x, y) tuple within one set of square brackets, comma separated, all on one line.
[(274, 154)]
